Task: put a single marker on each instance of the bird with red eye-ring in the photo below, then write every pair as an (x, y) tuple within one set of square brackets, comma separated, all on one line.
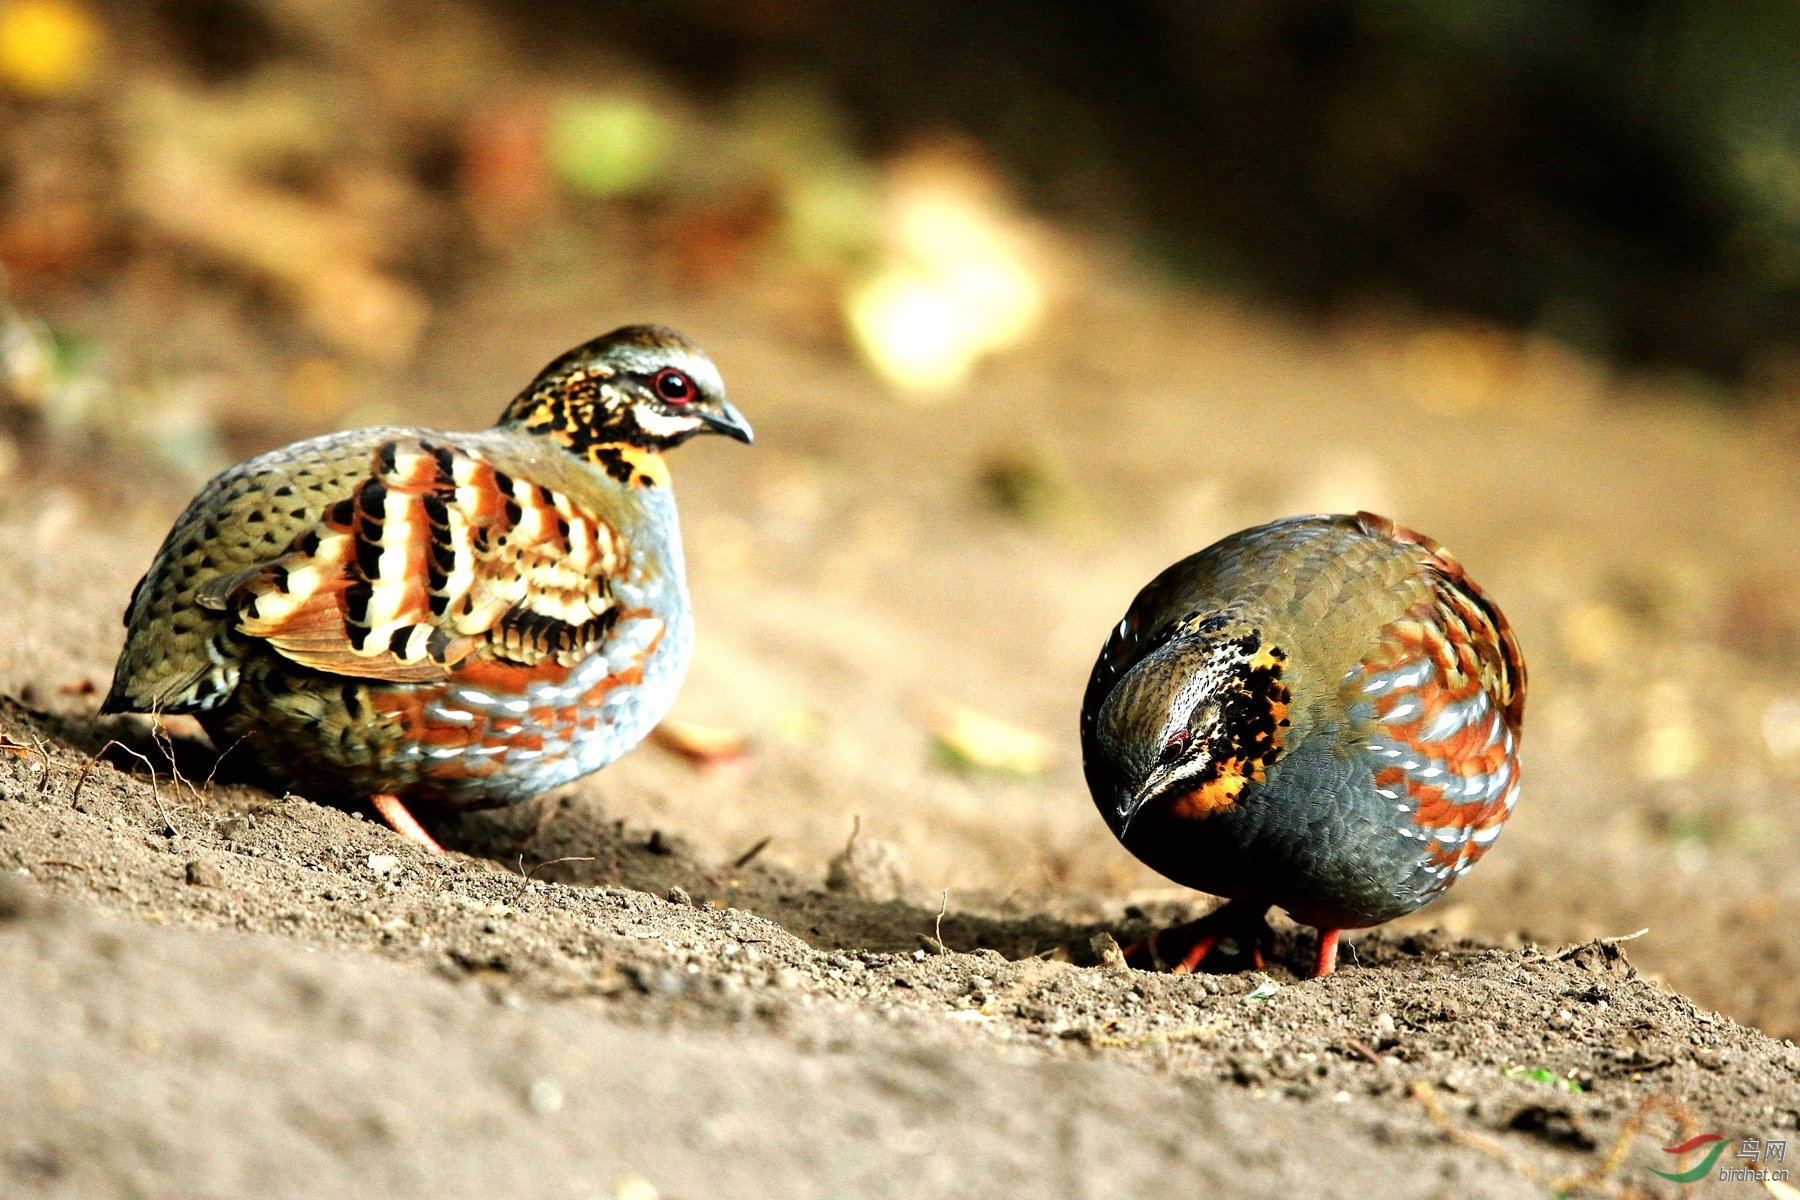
[(450, 620), (1321, 714)]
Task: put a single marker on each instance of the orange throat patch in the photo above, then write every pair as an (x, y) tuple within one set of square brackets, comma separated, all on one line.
[(1218, 794), (1252, 730), (630, 464)]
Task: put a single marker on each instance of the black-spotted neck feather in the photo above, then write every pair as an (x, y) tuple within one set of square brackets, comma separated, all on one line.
[(597, 402), (1197, 719)]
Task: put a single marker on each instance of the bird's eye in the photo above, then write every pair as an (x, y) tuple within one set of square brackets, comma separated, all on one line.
[(673, 386), (1173, 747)]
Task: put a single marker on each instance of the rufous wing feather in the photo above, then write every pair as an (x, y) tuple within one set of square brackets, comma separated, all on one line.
[(433, 556)]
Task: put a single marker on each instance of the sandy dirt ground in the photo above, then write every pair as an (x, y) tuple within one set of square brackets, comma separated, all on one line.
[(215, 991)]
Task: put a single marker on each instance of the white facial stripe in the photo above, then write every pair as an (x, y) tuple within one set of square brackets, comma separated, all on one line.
[(1198, 685), (1185, 768), (658, 425)]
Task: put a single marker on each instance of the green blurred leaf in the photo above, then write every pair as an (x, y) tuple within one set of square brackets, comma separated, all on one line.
[(610, 146), (1542, 1075)]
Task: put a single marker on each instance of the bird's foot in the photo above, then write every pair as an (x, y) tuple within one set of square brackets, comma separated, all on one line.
[(403, 822), (1183, 949)]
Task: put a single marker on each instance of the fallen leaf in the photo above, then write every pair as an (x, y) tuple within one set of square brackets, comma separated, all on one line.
[(968, 739), (705, 745)]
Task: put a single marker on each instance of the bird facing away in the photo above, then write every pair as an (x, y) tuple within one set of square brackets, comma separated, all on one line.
[(1320, 714), (460, 619)]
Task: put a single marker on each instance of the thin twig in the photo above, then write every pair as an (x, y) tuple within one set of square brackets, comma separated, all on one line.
[(168, 821), (44, 753), (1426, 1095), (166, 744), (1578, 947), (942, 907), (525, 881), (221, 758), (1623, 937), (8, 746), (749, 856), (81, 778), (1363, 1049), (87, 768), (1591, 1180), (1687, 1125)]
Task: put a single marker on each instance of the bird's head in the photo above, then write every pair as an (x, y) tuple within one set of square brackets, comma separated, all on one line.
[(633, 392), (1192, 723)]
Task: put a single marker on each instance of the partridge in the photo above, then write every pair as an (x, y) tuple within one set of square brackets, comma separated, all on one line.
[(1320, 714), (456, 619)]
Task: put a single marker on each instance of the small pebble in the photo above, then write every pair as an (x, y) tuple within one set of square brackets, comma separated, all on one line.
[(1106, 949), (679, 895), (545, 1097), (868, 870), (202, 872), (17, 898), (634, 1188)]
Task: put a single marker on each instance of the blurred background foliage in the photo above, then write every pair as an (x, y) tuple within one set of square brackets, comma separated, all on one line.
[(1624, 176), (1621, 178)]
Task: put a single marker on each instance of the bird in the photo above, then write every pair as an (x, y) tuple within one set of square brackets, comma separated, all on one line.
[(1320, 714), (461, 620)]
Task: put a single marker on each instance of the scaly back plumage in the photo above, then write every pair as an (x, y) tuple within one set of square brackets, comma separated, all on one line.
[(1322, 713)]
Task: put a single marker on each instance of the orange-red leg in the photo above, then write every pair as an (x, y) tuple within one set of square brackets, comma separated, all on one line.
[(403, 822), (1326, 963), (1194, 941)]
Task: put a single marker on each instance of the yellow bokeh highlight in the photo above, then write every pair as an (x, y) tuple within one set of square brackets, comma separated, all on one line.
[(906, 324), (957, 277), (48, 48), (610, 146)]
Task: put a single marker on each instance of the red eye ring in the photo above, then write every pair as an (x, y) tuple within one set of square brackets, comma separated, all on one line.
[(673, 386), (1172, 749)]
